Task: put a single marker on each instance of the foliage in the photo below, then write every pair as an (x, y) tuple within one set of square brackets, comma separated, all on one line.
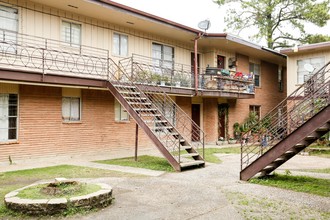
[(249, 122), (296, 183), (315, 38), (276, 20)]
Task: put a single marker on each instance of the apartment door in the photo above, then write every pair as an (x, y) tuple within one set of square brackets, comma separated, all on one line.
[(220, 62), (222, 125), (196, 117)]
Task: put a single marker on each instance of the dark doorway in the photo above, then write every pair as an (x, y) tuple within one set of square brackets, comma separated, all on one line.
[(193, 62), (195, 115), (220, 62), (223, 119)]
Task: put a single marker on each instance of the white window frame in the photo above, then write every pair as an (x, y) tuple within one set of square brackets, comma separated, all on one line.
[(118, 47), (10, 25), (161, 58), (302, 72), (69, 39), (8, 117), (256, 109), (70, 117), (121, 115), (256, 73)]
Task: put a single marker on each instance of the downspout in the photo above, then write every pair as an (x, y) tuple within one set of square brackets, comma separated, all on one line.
[(196, 64)]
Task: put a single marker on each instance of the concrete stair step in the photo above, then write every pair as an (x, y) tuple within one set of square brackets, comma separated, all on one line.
[(192, 163)]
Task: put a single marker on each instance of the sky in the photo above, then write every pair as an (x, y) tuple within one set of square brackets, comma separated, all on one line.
[(191, 12)]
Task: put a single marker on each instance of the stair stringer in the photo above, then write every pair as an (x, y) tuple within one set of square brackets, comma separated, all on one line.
[(175, 164), (286, 144)]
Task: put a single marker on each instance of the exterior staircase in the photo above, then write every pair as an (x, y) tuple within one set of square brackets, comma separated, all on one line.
[(298, 121), (171, 133)]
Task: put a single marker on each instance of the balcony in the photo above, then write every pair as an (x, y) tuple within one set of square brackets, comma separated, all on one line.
[(180, 79), (34, 59)]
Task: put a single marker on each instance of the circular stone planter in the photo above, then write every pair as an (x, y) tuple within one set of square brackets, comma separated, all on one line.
[(98, 199)]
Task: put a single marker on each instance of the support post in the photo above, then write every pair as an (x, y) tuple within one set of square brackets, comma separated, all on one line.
[(136, 141), (196, 63)]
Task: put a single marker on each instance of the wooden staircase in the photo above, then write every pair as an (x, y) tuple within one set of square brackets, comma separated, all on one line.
[(297, 122), (162, 130)]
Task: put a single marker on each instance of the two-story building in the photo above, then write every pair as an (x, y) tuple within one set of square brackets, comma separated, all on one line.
[(61, 63), (317, 55)]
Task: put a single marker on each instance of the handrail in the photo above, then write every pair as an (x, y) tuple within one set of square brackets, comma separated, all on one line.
[(49, 56), (155, 71), (306, 101), (182, 122)]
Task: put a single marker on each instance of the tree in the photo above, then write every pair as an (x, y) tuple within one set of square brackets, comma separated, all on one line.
[(280, 22), (316, 38)]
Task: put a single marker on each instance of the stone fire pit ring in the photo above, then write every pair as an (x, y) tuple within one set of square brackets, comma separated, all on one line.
[(98, 199)]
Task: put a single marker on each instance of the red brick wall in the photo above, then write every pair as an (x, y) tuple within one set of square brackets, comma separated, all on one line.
[(210, 119), (42, 132), (267, 96)]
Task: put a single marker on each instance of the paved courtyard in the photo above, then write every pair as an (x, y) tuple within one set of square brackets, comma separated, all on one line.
[(213, 192)]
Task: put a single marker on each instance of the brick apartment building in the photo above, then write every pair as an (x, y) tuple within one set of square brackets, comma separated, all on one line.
[(55, 65)]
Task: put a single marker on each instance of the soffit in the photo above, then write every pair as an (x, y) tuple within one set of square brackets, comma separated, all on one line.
[(144, 22), (122, 18)]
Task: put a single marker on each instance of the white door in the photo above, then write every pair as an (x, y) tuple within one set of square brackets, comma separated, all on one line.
[(4, 101)]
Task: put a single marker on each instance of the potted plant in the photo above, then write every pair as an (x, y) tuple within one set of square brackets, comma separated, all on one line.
[(220, 141), (237, 130), (232, 141), (163, 80)]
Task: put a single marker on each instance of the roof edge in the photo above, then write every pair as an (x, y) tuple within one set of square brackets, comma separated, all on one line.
[(306, 47), (148, 15)]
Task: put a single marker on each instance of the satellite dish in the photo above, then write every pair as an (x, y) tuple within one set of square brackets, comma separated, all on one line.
[(205, 25), (309, 67)]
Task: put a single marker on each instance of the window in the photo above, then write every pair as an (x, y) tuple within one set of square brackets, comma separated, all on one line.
[(120, 112), (255, 69), (163, 56), (256, 110), (120, 45), (70, 109), (8, 28), (302, 73), (280, 79), (8, 117), (71, 33)]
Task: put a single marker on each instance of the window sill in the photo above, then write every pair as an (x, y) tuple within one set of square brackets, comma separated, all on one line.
[(9, 142), (71, 122), (122, 122)]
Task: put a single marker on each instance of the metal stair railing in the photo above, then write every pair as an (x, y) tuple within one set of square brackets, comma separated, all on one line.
[(182, 122), (305, 102), (168, 135)]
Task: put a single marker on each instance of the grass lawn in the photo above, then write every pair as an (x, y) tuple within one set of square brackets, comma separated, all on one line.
[(158, 163), (144, 161), (305, 184), (320, 151), (326, 170), (10, 181), (211, 158)]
